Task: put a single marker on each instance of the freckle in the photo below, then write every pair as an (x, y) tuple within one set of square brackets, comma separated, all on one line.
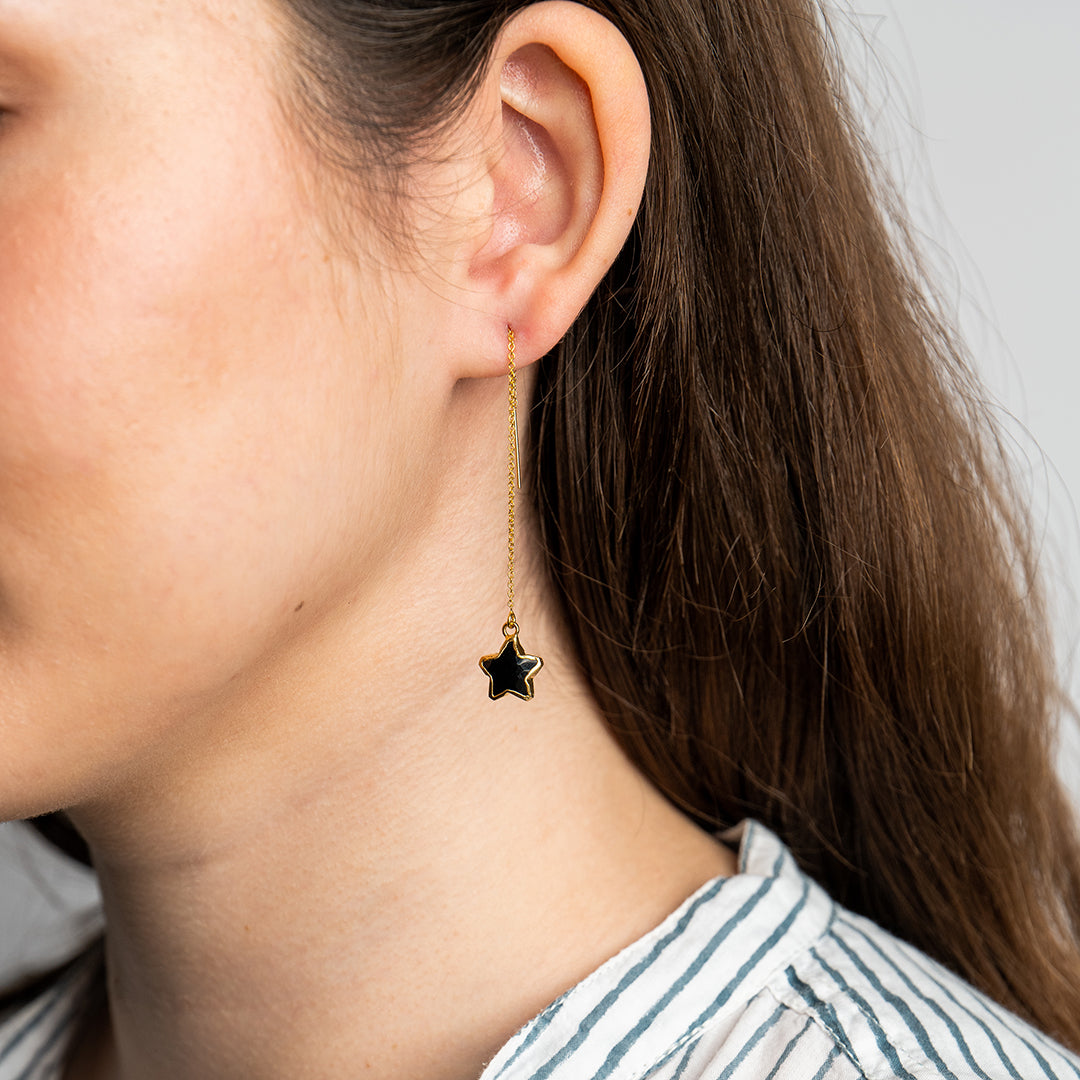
[(298, 606)]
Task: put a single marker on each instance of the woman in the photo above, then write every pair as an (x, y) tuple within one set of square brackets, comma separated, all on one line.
[(267, 267)]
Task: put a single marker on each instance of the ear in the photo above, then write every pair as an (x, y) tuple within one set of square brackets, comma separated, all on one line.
[(564, 177)]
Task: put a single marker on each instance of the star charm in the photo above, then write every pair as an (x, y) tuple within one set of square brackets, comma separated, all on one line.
[(510, 670)]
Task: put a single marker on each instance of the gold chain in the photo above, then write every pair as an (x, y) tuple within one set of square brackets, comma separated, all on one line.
[(512, 472), (511, 670)]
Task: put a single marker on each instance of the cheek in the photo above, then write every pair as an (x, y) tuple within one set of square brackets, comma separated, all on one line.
[(174, 433), (122, 292), (119, 297)]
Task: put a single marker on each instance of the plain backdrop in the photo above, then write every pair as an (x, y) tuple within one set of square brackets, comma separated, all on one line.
[(980, 123), (975, 105)]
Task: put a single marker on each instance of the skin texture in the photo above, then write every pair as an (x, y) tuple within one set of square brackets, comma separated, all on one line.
[(252, 525)]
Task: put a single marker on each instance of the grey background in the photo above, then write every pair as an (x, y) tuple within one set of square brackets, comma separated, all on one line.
[(981, 125), (979, 117)]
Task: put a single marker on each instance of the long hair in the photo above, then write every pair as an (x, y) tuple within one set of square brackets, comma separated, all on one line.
[(776, 516)]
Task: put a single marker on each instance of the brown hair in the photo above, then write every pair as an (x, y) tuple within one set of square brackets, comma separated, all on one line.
[(774, 510)]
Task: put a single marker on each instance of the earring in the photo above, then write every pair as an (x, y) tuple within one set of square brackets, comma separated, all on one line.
[(511, 670)]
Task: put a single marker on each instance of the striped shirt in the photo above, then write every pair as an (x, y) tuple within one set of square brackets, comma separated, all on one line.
[(760, 976)]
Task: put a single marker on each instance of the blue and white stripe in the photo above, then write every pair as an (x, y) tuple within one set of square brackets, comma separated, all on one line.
[(755, 977), (35, 1039), (762, 977)]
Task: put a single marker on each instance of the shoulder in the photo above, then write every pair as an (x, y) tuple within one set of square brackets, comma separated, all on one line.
[(857, 1002), (861, 1004), (897, 1012), (761, 976)]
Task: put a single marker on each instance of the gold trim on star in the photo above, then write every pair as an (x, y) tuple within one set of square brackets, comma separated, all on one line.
[(511, 670)]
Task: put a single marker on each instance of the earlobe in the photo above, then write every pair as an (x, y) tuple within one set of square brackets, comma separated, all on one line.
[(566, 174)]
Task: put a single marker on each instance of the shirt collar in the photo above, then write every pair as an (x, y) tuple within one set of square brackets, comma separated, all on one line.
[(34, 1038), (697, 968)]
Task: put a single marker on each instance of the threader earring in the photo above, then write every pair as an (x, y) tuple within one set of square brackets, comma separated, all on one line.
[(511, 670)]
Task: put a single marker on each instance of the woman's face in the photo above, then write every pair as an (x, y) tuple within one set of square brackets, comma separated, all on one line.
[(199, 403)]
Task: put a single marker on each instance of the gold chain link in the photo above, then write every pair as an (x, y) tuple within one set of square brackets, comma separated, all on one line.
[(512, 472)]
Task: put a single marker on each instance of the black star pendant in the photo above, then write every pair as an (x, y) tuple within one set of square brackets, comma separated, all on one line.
[(510, 670)]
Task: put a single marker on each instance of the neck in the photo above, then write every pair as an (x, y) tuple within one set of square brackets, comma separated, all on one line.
[(382, 869), (410, 919)]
